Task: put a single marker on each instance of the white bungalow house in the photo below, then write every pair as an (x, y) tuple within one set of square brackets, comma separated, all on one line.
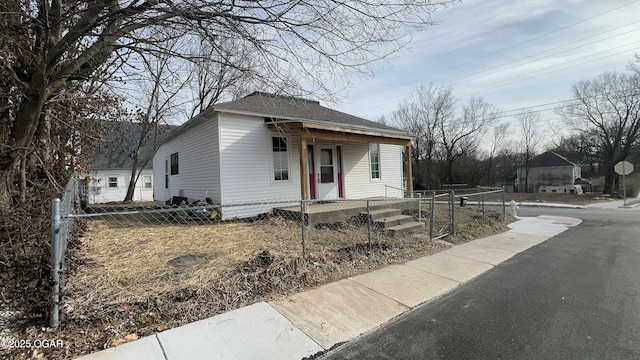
[(266, 147), (111, 162)]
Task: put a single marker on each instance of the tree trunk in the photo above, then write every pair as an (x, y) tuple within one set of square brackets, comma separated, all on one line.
[(609, 182), (526, 172), (450, 171), (134, 178), (20, 143)]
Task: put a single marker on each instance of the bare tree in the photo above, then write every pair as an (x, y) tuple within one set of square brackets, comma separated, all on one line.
[(222, 71), (420, 115), (460, 134), (608, 105), (159, 84), (530, 140), (499, 142), (73, 40), (442, 132), (408, 119), (582, 146)]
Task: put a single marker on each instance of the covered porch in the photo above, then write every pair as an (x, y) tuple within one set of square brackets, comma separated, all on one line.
[(322, 171)]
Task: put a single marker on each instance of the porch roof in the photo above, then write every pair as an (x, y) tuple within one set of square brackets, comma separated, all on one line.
[(316, 130)]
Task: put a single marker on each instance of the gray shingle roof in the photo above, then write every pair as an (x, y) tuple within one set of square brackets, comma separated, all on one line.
[(119, 141), (549, 159), (281, 107)]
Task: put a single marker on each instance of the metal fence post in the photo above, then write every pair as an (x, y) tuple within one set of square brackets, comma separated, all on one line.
[(419, 207), (54, 313), (504, 204), (452, 223), (432, 214), (368, 225), (482, 201), (302, 225)]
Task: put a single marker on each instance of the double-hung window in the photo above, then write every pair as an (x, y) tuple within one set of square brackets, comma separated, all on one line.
[(148, 183), (374, 160), (112, 182), (280, 159)]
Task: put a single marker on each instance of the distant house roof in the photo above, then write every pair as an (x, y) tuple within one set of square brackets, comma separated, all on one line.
[(119, 141), (549, 159), (280, 108)]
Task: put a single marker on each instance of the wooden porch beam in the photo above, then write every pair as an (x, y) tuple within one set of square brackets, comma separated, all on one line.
[(328, 132), (288, 125), (350, 137), (338, 129), (409, 157)]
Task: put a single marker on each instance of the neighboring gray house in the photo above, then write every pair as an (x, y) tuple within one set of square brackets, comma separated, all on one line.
[(111, 162), (548, 168), (266, 147)]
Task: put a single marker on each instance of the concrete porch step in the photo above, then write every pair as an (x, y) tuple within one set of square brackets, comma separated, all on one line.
[(406, 228), (394, 220), (380, 214)]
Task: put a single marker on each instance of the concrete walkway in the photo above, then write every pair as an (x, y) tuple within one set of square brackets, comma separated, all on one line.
[(306, 323)]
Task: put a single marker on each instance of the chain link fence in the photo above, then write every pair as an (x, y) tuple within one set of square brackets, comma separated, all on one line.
[(179, 234), (62, 229)]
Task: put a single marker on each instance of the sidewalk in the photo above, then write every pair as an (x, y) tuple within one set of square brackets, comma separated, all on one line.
[(614, 204), (315, 320)]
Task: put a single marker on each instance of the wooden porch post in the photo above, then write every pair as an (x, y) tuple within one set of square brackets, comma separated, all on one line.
[(409, 170), (304, 166)]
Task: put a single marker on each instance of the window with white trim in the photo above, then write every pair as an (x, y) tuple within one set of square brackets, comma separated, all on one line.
[(374, 160), (112, 182), (280, 159), (147, 182)]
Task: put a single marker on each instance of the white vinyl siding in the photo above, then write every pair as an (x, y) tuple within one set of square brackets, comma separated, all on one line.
[(246, 160), (198, 170), (98, 190), (230, 158), (357, 171)]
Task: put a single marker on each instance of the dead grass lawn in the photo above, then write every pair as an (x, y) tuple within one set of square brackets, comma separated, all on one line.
[(135, 281), (130, 265)]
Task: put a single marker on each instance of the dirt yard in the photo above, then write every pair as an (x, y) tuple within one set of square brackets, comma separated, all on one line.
[(132, 282)]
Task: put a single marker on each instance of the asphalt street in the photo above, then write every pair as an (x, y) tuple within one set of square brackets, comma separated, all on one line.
[(575, 296)]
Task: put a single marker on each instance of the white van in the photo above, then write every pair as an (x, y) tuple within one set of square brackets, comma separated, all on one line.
[(561, 189)]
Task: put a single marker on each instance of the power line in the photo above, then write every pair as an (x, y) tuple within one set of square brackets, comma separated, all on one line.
[(551, 72), (503, 114), (509, 82), (537, 58), (528, 41), (398, 98)]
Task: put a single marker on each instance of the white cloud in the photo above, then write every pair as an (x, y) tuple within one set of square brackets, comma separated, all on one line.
[(480, 35)]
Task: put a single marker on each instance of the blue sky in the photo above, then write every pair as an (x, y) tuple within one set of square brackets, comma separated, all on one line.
[(514, 54)]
